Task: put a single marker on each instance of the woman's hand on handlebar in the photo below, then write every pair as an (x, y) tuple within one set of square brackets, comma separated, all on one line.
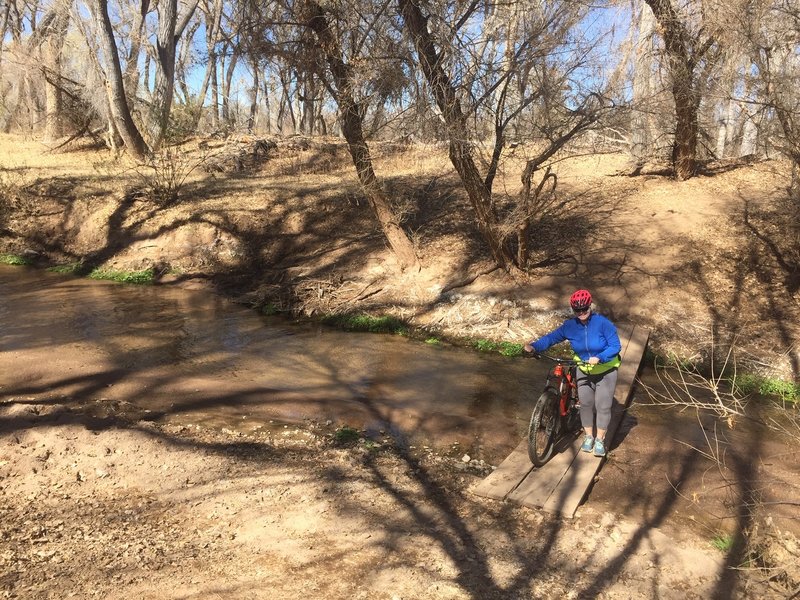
[(530, 352)]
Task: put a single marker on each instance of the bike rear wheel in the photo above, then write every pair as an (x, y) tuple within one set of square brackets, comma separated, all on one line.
[(542, 429)]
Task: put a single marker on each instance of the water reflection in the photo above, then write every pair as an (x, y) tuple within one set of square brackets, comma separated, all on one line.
[(194, 357)]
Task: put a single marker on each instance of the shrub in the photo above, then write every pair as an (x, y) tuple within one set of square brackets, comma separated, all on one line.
[(13, 259), (346, 436), (367, 324), (145, 277)]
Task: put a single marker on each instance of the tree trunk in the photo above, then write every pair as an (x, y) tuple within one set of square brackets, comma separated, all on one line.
[(746, 122), (267, 108), (169, 32), (161, 103), (120, 111), (182, 60), (641, 133), (350, 116), (460, 151), (684, 152), (307, 112), (53, 47), (4, 28), (213, 18), (214, 93), (131, 76), (226, 91), (726, 125), (285, 105), (251, 120), (684, 89)]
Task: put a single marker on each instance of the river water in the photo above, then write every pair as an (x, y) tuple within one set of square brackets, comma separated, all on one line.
[(192, 357)]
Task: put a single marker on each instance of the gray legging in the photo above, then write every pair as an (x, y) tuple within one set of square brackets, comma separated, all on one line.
[(596, 393)]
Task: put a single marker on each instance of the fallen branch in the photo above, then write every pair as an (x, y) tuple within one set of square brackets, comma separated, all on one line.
[(469, 279), (74, 136)]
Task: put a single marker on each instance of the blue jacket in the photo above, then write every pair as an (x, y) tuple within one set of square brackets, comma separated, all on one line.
[(597, 338)]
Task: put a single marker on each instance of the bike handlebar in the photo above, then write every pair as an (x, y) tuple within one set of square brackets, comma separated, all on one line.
[(562, 361)]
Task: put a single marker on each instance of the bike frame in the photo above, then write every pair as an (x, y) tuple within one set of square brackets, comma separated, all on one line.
[(555, 412), (566, 387)]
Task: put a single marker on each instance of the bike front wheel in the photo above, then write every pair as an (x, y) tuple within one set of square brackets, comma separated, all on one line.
[(542, 429)]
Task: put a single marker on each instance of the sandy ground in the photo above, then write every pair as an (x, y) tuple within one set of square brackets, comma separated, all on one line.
[(110, 507)]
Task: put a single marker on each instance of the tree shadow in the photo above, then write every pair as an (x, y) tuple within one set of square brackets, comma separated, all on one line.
[(427, 503), (432, 510)]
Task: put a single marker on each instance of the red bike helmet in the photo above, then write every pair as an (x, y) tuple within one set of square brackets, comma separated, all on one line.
[(580, 300)]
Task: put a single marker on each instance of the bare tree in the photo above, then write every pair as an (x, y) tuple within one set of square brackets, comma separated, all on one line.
[(118, 103), (644, 87), (483, 92), (773, 31), (136, 38), (251, 119), (170, 29), (351, 110), (51, 68), (212, 19), (691, 53)]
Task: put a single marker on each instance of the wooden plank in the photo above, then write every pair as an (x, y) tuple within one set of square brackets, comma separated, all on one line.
[(507, 475), (537, 487), (574, 486), (540, 484)]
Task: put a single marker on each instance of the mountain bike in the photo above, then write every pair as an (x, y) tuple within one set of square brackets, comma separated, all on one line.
[(556, 414)]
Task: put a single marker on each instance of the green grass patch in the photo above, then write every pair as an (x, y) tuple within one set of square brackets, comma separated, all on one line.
[(371, 445), (346, 436), (13, 259), (722, 542), (486, 345), (504, 348), (137, 277), (367, 324), (270, 310), (68, 269), (433, 341), (786, 391), (510, 349)]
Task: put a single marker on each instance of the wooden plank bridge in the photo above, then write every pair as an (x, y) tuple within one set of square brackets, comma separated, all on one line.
[(562, 483)]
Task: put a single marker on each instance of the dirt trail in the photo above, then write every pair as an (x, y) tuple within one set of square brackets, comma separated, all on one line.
[(97, 508)]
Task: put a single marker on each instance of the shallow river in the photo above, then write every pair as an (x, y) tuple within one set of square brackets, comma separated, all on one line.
[(194, 357), (191, 357)]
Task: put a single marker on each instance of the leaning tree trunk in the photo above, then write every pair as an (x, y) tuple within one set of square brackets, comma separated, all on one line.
[(350, 115), (120, 112), (212, 60), (285, 105), (130, 77), (212, 22), (226, 90), (460, 152)]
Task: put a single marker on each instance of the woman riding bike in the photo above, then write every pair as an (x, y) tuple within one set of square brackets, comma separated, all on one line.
[(595, 342)]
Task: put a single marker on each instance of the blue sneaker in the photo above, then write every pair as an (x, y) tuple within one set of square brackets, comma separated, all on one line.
[(588, 443), (599, 447)]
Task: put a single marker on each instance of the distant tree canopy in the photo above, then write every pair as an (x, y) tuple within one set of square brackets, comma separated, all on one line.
[(681, 81)]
